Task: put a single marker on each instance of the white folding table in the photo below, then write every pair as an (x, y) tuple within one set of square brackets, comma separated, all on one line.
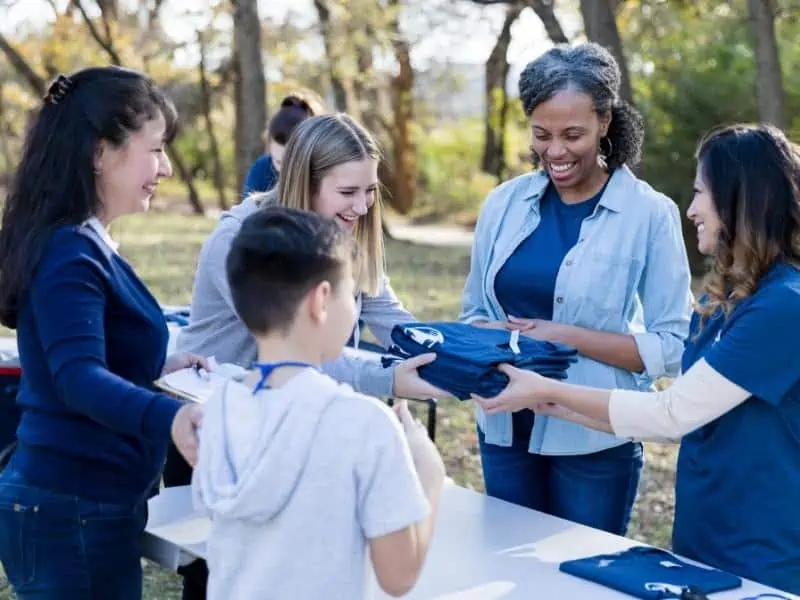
[(483, 549)]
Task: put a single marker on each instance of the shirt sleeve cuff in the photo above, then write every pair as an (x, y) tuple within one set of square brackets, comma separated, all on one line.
[(469, 320), (158, 417), (623, 413), (651, 353)]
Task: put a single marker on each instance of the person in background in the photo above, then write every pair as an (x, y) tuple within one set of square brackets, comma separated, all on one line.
[(736, 407), (300, 474), (331, 168), (263, 174), (92, 340), (584, 253)]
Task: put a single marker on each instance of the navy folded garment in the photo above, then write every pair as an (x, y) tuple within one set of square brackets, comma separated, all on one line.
[(467, 356), (646, 572)]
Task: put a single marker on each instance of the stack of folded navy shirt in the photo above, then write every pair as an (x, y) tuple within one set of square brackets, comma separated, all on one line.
[(650, 574), (467, 356)]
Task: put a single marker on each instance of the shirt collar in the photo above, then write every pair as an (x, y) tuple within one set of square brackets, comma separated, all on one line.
[(618, 188), (98, 228)]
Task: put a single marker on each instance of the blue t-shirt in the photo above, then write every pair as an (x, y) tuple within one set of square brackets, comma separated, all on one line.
[(526, 283), (92, 340), (261, 177), (738, 478)]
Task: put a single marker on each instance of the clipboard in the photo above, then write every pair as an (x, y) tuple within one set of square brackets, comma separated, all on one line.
[(189, 384)]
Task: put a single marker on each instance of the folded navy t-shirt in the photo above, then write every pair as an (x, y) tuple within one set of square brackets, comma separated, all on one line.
[(649, 573), (467, 356)]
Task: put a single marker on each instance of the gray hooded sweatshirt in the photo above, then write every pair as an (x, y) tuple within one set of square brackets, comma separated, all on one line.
[(215, 329), (296, 479)]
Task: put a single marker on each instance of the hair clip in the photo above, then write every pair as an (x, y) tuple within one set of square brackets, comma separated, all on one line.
[(58, 89)]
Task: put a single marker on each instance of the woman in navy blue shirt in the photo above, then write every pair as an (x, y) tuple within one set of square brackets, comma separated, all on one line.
[(737, 405), (263, 174), (92, 340)]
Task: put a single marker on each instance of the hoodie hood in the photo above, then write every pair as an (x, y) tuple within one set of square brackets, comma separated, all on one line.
[(254, 447), (241, 211)]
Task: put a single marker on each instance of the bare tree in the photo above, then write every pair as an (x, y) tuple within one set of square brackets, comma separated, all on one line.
[(21, 66), (205, 92), (402, 85), (341, 97), (769, 82), (108, 12), (496, 98), (250, 88)]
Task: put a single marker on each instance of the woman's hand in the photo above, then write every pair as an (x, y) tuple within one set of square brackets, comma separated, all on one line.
[(183, 360), (184, 431), (525, 389), (408, 383), (539, 329)]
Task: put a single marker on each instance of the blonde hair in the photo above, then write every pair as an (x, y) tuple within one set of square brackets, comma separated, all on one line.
[(316, 146)]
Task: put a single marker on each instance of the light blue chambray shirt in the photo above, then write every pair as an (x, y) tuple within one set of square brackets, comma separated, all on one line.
[(628, 273)]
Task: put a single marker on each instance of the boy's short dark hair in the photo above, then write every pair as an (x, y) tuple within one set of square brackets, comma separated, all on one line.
[(278, 256)]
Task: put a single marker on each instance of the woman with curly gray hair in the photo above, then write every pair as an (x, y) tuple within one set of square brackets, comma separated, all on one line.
[(584, 253)]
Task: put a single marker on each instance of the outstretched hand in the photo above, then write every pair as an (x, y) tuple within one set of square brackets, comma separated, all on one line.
[(525, 389), (408, 383)]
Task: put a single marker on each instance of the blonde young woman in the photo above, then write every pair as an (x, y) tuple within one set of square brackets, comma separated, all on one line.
[(330, 167)]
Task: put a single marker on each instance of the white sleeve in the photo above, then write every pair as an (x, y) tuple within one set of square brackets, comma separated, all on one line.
[(693, 400), (390, 495)]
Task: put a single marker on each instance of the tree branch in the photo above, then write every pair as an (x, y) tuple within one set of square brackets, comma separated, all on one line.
[(22, 67), (107, 45), (544, 10)]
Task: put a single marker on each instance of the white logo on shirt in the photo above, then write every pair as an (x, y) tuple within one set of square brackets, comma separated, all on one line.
[(425, 336), (664, 587)]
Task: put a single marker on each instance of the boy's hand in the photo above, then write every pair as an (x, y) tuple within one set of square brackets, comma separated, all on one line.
[(185, 428), (408, 383), (427, 460)]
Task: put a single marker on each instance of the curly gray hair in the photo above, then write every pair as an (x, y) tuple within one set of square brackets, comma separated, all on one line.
[(591, 69)]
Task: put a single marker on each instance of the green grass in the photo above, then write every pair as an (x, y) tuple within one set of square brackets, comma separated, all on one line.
[(163, 248)]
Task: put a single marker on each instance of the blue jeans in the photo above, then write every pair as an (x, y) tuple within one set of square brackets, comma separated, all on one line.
[(59, 547), (595, 489)]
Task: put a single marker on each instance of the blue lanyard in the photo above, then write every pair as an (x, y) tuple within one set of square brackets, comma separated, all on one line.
[(267, 369)]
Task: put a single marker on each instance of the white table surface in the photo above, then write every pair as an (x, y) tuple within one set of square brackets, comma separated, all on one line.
[(483, 549)]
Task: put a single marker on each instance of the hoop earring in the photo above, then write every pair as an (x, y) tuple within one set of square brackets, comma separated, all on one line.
[(603, 154)]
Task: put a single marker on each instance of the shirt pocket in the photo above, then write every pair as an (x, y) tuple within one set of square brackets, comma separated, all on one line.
[(605, 289)]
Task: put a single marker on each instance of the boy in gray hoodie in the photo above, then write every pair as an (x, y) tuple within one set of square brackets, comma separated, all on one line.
[(302, 475)]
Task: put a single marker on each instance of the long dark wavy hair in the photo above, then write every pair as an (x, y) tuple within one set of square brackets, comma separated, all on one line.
[(54, 183), (753, 174)]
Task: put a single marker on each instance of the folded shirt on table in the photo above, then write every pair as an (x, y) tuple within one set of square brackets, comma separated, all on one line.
[(646, 572), (467, 356)]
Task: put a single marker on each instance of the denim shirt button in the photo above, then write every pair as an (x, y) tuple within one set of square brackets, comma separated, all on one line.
[(568, 263), (560, 299)]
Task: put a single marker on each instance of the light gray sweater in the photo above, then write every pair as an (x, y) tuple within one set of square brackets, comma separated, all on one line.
[(215, 329)]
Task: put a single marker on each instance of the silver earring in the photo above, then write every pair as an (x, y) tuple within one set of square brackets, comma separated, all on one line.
[(606, 154)]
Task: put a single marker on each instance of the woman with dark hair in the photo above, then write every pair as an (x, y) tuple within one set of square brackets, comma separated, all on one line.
[(263, 175), (736, 407), (92, 339), (584, 253)]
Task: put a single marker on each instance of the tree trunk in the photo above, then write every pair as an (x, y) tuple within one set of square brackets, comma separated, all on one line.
[(186, 177), (250, 86), (405, 167), (601, 27), (341, 96), (769, 82), (496, 99), (205, 91)]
